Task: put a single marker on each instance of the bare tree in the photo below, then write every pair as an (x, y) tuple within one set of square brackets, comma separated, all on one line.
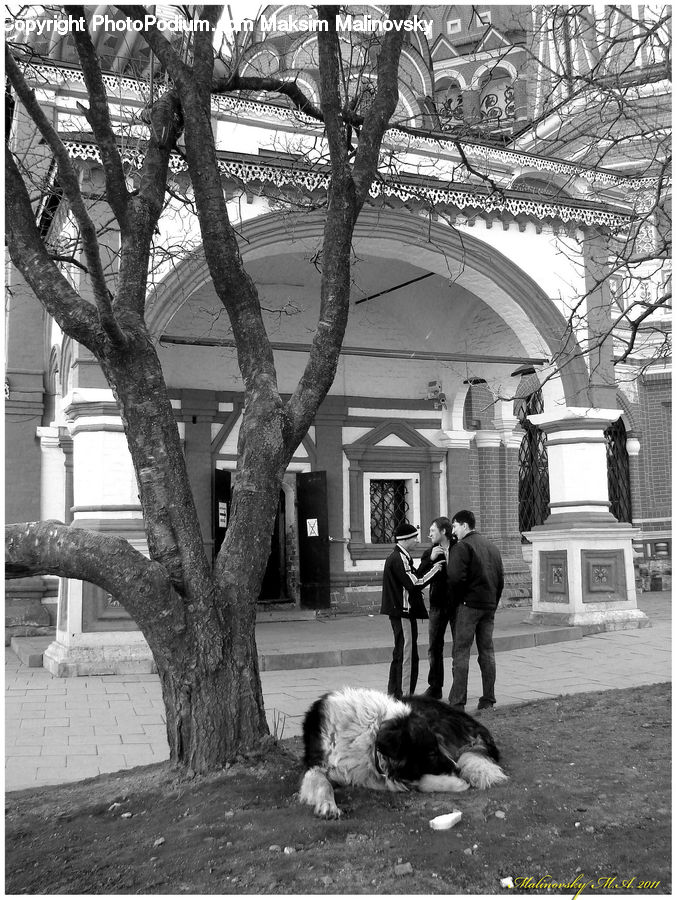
[(197, 618), (602, 96)]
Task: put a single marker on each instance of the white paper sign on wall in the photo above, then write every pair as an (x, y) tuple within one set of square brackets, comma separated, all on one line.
[(223, 515), (311, 525)]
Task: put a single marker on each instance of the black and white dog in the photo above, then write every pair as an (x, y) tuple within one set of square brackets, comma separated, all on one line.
[(368, 739)]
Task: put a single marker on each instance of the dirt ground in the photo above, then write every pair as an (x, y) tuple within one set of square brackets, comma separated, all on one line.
[(587, 808)]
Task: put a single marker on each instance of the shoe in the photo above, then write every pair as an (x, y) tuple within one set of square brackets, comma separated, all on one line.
[(436, 695), (484, 704)]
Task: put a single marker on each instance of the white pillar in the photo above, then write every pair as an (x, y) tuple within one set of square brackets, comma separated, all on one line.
[(582, 570), (95, 635)]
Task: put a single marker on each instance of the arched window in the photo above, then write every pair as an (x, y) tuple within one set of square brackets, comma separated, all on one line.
[(618, 471), (450, 106), (534, 486), (478, 410), (497, 98)]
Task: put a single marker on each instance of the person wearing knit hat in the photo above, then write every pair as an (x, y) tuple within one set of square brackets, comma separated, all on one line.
[(402, 602)]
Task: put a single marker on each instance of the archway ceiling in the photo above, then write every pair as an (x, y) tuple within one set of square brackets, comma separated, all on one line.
[(434, 320), (432, 315)]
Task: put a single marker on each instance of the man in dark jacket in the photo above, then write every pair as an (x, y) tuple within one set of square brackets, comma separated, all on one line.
[(402, 602), (475, 574)]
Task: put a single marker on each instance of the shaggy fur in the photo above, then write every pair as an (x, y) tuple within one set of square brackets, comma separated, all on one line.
[(366, 738)]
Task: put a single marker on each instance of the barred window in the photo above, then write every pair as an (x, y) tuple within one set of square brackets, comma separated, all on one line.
[(389, 508)]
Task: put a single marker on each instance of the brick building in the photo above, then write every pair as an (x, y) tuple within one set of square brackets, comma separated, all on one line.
[(454, 388)]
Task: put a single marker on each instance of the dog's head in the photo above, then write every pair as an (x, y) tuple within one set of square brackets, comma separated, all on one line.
[(410, 748)]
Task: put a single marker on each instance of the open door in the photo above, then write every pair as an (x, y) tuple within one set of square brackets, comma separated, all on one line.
[(274, 586), (313, 525), (221, 507)]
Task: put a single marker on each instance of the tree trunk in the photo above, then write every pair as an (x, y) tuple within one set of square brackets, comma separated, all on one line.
[(212, 692)]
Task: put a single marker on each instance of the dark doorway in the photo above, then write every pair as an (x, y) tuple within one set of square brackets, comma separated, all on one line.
[(274, 586), (221, 512), (313, 524)]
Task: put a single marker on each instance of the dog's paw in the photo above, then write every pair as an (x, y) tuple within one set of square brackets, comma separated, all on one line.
[(327, 809), (449, 784)]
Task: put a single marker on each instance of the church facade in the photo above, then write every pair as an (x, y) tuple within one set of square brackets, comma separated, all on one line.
[(468, 378)]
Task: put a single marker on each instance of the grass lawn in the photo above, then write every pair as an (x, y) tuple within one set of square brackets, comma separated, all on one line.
[(587, 807)]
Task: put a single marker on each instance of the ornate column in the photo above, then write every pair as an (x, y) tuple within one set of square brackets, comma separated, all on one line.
[(95, 635), (583, 563), (633, 446), (489, 513), (518, 573)]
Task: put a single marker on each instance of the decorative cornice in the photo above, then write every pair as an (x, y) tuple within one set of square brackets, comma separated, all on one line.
[(428, 191), (438, 143)]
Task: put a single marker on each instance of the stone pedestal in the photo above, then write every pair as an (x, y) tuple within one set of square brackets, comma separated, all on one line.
[(585, 576), (582, 570), (25, 615)]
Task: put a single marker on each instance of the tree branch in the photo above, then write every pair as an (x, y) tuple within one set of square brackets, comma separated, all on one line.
[(234, 286), (158, 43), (75, 316), (346, 198), (383, 106), (68, 180), (203, 55), (98, 116), (236, 82), (330, 100), (52, 548)]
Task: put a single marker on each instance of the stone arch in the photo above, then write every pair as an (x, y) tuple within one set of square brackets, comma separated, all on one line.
[(433, 247), (448, 79), (628, 415), (262, 59), (65, 365), (492, 68), (413, 64), (478, 405)]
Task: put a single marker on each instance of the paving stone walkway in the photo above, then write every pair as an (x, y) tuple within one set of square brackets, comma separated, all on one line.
[(59, 730)]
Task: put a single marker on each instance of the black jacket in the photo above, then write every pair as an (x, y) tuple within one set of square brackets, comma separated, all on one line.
[(475, 572), (402, 587), (440, 595)]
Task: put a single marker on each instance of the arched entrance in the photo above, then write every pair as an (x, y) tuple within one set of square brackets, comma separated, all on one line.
[(460, 258)]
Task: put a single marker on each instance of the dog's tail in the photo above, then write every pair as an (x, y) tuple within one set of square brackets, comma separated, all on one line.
[(479, 770)]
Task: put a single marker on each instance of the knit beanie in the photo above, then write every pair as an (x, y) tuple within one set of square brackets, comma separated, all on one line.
[(404, 531)]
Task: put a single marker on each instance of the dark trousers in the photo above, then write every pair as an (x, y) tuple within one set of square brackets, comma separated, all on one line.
[(404, 666), (473, 624), (437, 627)]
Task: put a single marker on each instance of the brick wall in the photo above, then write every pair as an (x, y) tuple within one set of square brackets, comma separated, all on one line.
[(654, 464)]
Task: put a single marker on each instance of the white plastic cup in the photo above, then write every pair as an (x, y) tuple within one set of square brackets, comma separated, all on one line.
[(443, 823)]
